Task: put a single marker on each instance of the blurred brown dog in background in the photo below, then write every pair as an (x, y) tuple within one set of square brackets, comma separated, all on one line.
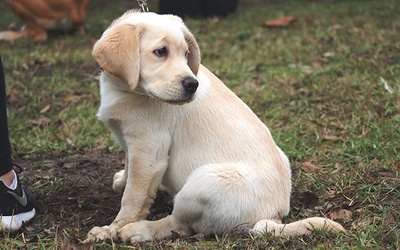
[(42, 15)]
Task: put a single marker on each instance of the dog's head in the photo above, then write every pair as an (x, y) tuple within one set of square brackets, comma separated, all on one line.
[(153, 54)]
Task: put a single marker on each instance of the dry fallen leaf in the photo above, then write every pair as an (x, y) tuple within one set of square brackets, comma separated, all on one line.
[(342, 214), (369, 177), (361, 225), (98, 149), (387, 174), (280, 22), (45, 109), (69, 141), (338, 165), (309, 166), (69, 165), (335, 27), (389, 219), (42, 122), (330, 137)]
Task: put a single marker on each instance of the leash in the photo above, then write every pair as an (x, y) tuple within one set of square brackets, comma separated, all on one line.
[(143, 5)]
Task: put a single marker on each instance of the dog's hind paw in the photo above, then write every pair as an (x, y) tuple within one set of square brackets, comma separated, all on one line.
[(119, 181)]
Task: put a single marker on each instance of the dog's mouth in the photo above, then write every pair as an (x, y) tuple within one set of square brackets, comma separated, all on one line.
[(185, 99)]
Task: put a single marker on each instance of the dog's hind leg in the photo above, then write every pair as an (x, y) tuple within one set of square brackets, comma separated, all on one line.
[(208, 203), (302, 227), (216, 199)]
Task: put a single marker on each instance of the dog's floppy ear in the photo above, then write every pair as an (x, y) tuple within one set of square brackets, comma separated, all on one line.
[(117, 52), (193, 57)]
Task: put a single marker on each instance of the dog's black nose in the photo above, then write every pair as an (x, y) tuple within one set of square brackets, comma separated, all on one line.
[(190, 84)]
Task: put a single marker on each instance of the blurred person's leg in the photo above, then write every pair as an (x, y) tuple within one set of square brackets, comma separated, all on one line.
[(17, 204)]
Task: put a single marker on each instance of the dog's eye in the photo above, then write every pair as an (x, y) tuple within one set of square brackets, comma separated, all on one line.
[(161, 52)]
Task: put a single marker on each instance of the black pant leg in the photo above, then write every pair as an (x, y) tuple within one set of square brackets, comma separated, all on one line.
[(5, 147)]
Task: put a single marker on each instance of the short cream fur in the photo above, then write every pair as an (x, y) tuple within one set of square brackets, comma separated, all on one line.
[(208, 149)]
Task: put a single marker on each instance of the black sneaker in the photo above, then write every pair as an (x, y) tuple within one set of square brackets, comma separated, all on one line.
[(16, 206)]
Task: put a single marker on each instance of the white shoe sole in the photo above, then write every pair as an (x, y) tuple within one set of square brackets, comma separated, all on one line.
[(14, 222)]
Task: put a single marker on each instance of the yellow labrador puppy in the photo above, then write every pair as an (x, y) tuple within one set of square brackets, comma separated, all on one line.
[(211, 152)]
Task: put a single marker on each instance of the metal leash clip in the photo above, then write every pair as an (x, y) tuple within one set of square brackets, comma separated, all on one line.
[(143, 5)]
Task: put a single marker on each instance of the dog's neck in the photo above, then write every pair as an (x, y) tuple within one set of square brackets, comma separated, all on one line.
[(139, 90)]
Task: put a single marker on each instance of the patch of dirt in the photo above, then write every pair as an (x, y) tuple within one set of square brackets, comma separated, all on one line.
[(74, 193)]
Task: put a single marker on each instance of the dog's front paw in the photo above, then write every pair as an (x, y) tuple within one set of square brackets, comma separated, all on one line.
[(135, 232), (102, 233), (119, 181)]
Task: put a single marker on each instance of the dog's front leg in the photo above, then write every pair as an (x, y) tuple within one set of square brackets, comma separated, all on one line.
[(143, 179), (146, 167)]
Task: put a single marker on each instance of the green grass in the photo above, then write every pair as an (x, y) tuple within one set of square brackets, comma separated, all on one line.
[(316, 84)]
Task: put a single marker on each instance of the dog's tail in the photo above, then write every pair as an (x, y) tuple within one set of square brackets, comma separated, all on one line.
[(302, 227)]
